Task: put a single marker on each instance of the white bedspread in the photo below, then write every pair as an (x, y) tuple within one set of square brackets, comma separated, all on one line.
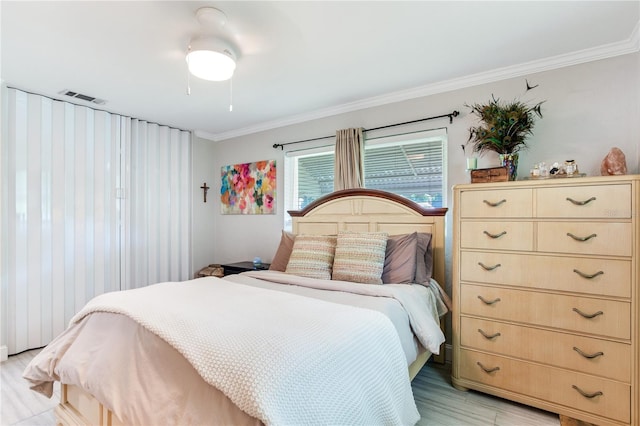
[(423, 305), (281, 358)]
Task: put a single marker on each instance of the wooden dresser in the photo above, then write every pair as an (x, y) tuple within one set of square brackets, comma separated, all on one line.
[(545, 289)]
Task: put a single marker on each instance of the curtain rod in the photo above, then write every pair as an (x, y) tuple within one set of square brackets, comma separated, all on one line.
[(450, 115)]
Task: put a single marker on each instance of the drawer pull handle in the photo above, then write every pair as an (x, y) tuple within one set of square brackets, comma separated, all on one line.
[(581, 203), (489, 336), (587, 315), (588, 276), (494, 235), (490, 204), (489, 302), (489, 268), (488, 370), (590, 356), (587, 238), (585, 394)]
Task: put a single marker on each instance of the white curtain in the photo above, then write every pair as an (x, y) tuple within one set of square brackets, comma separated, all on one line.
[(349, 159), (86, 196)]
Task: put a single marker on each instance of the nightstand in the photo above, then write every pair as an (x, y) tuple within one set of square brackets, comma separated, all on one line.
[(236, 268)]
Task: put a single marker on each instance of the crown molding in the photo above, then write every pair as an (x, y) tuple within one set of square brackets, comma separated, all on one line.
[(630, 45)]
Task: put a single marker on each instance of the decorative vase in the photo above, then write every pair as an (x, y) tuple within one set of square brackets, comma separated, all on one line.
[(510, 161)]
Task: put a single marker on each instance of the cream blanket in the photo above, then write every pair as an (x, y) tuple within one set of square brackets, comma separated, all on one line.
[(281, 358)]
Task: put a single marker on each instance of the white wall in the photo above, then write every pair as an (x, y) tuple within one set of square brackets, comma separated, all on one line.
[(203, 215), (589, 108), (243, 237), (4, 307)]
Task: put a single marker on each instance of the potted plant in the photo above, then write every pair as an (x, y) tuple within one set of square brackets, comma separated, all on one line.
[(504, 128)]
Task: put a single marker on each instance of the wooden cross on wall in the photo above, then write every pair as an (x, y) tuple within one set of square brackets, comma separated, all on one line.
[(205, 188)]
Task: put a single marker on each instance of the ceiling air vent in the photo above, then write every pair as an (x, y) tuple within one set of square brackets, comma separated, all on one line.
[(82, 97)]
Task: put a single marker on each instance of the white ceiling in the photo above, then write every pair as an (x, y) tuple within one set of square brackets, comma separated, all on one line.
[(297, 59)]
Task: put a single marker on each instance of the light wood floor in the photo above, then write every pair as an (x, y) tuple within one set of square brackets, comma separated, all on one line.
[(438, 402)]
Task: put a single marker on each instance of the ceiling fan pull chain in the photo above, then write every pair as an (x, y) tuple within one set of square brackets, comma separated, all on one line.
[(188, 76), (231, 94)]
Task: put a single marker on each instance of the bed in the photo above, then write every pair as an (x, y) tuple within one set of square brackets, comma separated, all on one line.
[(284, 346)]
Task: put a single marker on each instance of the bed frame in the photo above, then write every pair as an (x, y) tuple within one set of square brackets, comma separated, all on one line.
[(362, 210)]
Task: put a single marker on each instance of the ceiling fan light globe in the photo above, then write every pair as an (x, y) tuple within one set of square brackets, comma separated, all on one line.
[(211, 65)]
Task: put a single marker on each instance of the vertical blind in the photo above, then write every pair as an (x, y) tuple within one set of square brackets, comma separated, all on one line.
[(410, 165), (60, 221), (66, 235), (158, 218)]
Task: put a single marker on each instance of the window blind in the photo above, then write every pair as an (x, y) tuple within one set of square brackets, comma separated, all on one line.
[(411, 165)]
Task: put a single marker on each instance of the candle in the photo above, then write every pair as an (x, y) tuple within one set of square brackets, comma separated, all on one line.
[(472, 163)]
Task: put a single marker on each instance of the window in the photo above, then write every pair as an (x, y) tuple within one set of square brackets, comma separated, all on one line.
[(411, 165)]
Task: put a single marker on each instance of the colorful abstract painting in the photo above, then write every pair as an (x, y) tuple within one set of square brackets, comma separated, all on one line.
[(249, 188)]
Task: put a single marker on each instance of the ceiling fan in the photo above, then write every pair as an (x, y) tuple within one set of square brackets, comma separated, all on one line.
[(209, 55)]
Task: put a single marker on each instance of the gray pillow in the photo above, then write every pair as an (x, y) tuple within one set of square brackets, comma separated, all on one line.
[(400, 259), (280, 260), (424, 258)]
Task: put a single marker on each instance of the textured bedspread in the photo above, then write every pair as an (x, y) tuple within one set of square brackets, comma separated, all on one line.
[(281, 358), (423, 305)]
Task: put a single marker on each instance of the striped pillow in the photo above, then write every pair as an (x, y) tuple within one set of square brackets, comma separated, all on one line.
[(360, 257), (312, 256)]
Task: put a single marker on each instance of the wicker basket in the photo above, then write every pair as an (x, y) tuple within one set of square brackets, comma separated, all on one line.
[(493, 174)]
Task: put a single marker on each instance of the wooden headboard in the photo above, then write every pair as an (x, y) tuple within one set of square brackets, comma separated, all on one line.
[(369, 210)]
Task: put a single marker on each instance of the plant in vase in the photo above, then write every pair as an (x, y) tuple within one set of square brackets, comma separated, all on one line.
[(504, 128)]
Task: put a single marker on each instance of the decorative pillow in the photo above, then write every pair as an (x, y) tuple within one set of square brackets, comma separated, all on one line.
[(280, 260), (400, 259), (424, 258), (360, 257), (312, 256)]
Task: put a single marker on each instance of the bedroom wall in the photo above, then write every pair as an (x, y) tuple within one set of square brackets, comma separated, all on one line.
[(589, 108), (203, 215), (4, 311)]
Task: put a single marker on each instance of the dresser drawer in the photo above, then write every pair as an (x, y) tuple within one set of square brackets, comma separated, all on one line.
[(573, 274), (609, 398), (599, 357), (597, 238), (589, 201), (497, 204), (497, 235), (610, 318)]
